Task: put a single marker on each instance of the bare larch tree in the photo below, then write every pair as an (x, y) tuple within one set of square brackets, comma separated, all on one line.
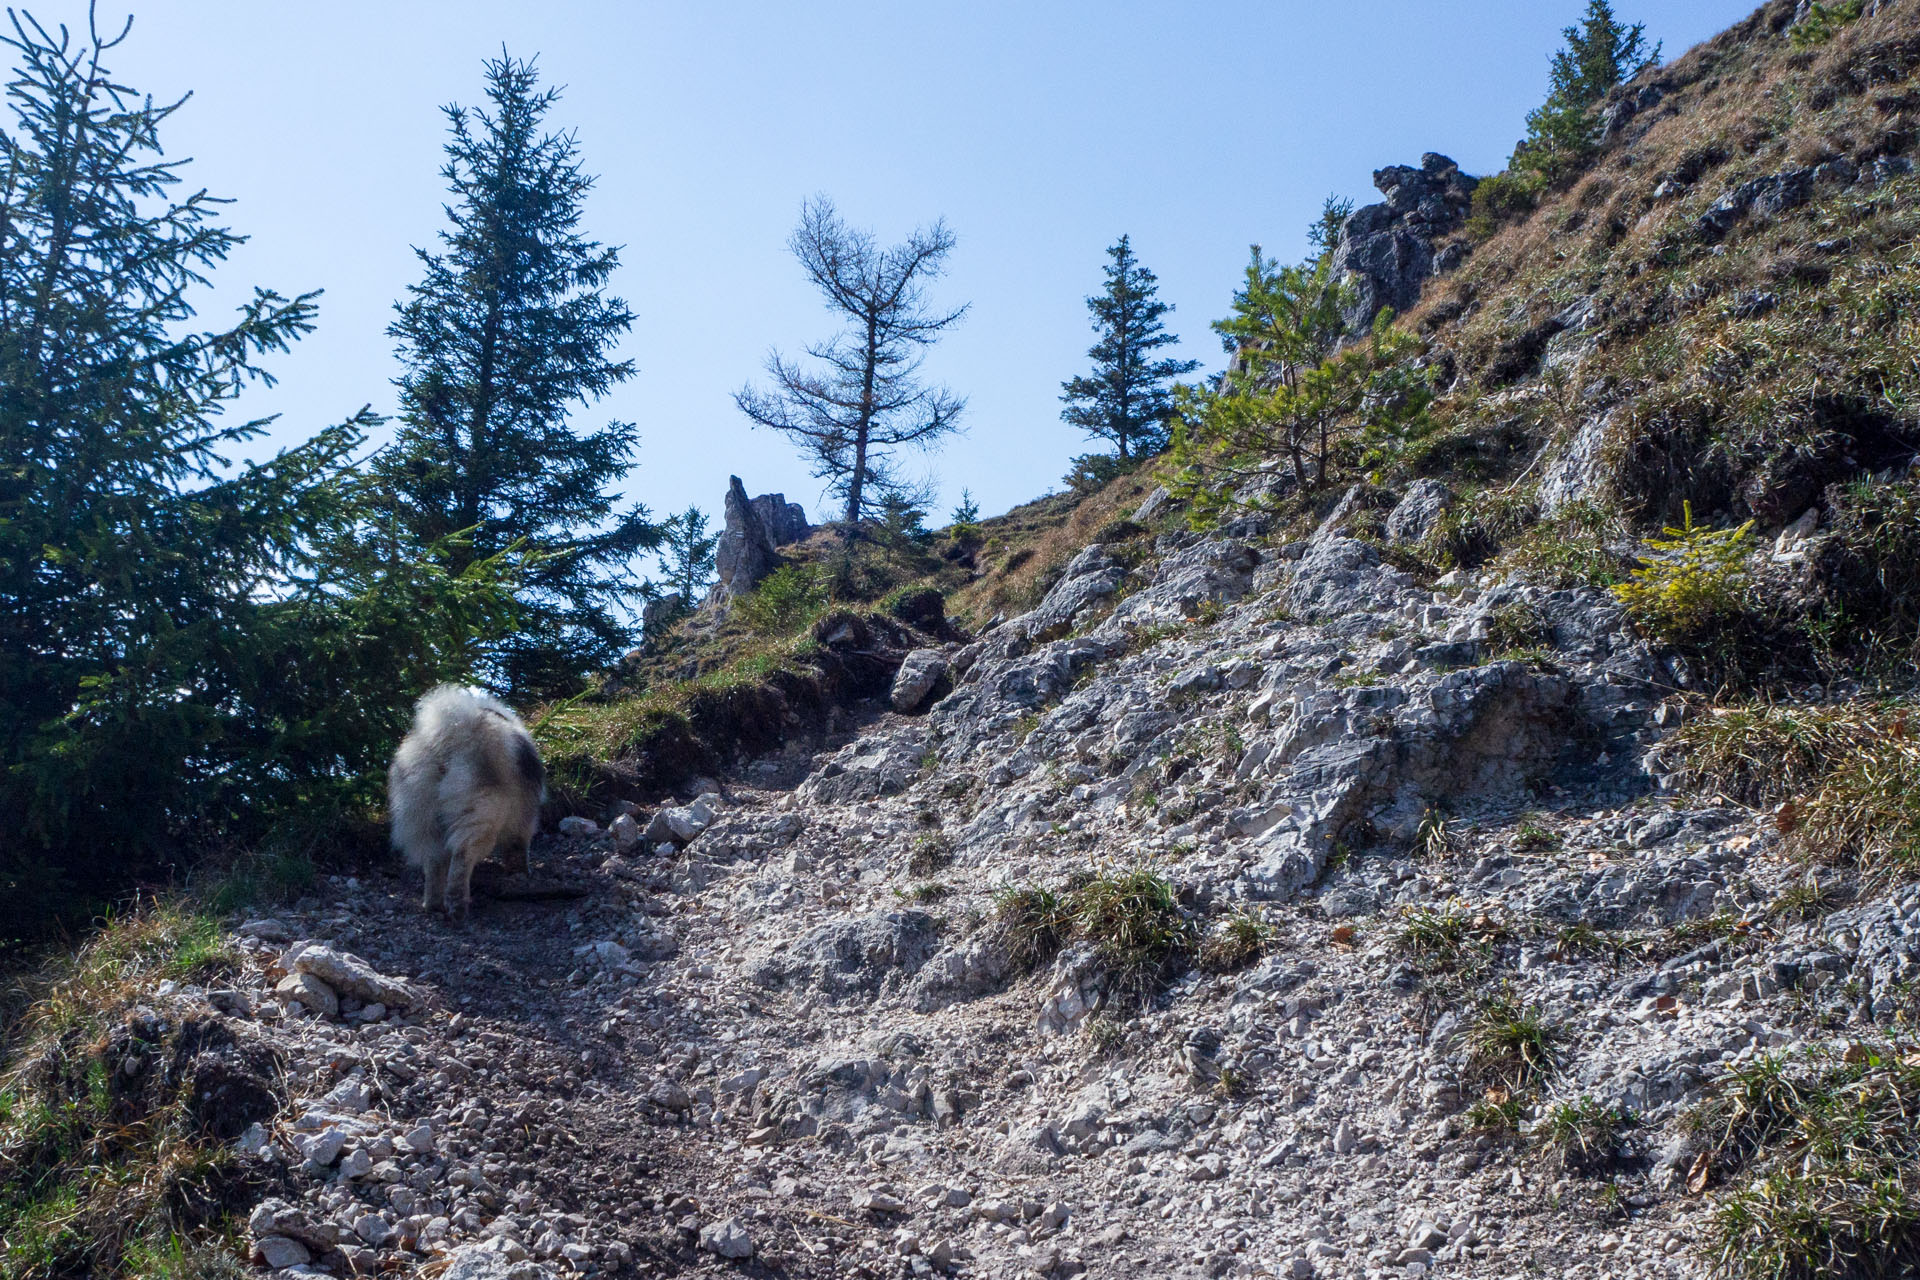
[(865, 400)]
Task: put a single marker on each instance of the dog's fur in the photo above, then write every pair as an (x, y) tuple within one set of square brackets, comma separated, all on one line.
[(465, 785)]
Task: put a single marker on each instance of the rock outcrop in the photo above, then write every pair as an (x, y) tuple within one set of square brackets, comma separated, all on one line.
[(755, 529), (1386, 250)]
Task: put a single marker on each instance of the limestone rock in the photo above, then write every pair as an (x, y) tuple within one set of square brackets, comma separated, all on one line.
[(746, 551), (1387, 250), (728, 1238), (921, 674), (1419, 511), (349, 975)]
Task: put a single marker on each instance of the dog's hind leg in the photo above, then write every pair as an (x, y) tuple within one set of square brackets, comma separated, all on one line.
[(435, 867), (459, 889)]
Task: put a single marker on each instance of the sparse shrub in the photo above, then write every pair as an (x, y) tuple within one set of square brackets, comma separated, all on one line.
[(1693, 585), (1092, 472), (1510, 1042), (1823, 22), (785, 601), (1435, 838), (1239, 940), (1502, 198)]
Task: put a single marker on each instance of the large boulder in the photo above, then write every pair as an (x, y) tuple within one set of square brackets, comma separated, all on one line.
[(921, 675), (1386, 250)]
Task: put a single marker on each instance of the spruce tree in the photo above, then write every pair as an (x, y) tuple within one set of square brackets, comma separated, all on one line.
[(1601, 53), (191, 649), (1128, 398), (509, 330), (686, 554)]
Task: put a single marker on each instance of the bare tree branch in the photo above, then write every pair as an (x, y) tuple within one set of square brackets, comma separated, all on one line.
[(868, 399)]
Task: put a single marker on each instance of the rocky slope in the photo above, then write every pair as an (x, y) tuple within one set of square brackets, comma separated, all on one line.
[(790, 1036), (1262, 901)]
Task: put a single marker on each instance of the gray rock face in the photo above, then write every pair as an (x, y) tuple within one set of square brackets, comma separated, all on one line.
[(1418, 512), (785, 522), (921, 674), (1386, 250), (754, 528), (745, 553), (860, 957)]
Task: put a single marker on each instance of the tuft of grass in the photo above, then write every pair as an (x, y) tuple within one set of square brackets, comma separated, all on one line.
[(1240, 940), (1584, 1136), (1519, 625), (1844, 774), (1498, 1112), (1034, 923), (1531, 837), (1135, 921), (931, 891), (1824, 1144), (1510, 1042), (1808, 900), (1435, 838), (932, 854)]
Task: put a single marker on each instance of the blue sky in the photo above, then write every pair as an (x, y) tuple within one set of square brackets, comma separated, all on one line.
[(1040, 129)]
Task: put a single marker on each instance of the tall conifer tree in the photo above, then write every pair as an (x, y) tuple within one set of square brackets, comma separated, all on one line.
[(508, 331), (1128, 398)]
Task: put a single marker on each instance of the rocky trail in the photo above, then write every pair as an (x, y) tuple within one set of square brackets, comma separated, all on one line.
[(786, 1028)]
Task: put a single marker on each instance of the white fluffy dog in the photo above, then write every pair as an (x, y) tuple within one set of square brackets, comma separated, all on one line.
[(465, 786)]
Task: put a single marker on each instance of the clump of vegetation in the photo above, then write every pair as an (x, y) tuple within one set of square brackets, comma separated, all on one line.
[(1134, 920), (1435, 837), (1295, 391), (1034, 922), (1498, 1111), (1510, 1042), (786, 600), (1434, 936), (1531, 837), (1808, 900), (1825, 1142), (1824, 21), (1518, 624), (1136, 923), (1236, 943), (107, 1164), (1844, 774), (932, 853), (1585, 1136)]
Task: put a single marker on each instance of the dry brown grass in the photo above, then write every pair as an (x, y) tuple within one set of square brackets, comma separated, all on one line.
[(1028, 546)]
